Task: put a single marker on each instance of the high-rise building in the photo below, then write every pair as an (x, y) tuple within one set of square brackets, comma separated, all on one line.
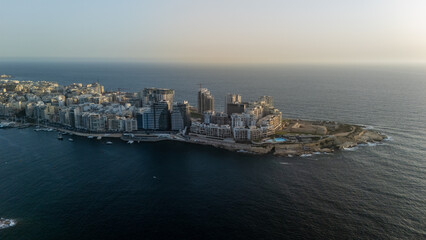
[(139, 120), (148, 120), (267, 100), (73, 112), (157, 117), (180, 116), (231, 98), (162, 115), (155, 95), (237, 107), (205, 101), (140, 117), (98, 88)]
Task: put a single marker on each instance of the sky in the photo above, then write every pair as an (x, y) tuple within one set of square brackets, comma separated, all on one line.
[(215, 31)]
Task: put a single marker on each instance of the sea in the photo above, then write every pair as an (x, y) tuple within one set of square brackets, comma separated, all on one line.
[(87, 189)]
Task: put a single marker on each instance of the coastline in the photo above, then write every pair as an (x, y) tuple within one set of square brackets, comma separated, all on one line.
[(299, 142)]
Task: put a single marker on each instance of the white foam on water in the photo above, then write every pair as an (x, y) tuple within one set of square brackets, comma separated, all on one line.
[(306, 155), (388, 138), (316, 153), (12, 223), (5, 223), (284, 163), (350, 148)]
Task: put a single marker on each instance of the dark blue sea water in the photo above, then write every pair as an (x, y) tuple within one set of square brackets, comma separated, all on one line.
[(89, 190)]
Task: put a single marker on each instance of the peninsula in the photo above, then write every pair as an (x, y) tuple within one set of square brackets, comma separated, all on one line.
[(152, 115)]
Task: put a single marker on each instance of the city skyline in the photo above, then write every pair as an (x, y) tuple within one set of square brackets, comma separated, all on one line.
[(215, 32)]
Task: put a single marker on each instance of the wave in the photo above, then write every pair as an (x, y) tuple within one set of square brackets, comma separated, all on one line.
[(373, 144), (388, 138), (306, 155), (368, 127), (350, 148)]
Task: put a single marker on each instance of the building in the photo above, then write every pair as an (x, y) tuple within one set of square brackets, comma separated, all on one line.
[(116, 124), (235, 108), (206, 117), (140, 117), (97, 122), (220, 118), (205, 101), (231, 98), (244, 134), (211, 130), (156, 116), (155, 95), (266, 100), (243, 120), (161, 115), (130, 125), (139, 120), (97, 88), (180, 116)]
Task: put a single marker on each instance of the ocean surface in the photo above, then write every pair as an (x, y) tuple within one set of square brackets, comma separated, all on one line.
[(89, 190)]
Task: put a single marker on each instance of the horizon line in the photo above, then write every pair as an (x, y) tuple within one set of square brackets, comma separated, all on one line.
[(233, 63)]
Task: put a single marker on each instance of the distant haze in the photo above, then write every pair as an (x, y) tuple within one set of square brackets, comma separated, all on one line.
[(219, 31)]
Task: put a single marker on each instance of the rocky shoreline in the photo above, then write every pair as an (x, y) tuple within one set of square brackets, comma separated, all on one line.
[(303, 138), (312, 137)]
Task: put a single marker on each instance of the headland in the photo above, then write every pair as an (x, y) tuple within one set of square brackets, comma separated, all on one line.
[(151, 115)]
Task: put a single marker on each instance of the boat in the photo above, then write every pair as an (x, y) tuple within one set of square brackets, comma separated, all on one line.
[(5, 223), (109, 143), (60, 136), (99, 138), (70, 139), (130, 141), (89, 137)]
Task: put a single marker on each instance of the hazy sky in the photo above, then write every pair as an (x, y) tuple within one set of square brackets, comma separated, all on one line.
[(226, 31)]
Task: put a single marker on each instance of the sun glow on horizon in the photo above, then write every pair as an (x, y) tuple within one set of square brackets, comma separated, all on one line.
[(216, 31)]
